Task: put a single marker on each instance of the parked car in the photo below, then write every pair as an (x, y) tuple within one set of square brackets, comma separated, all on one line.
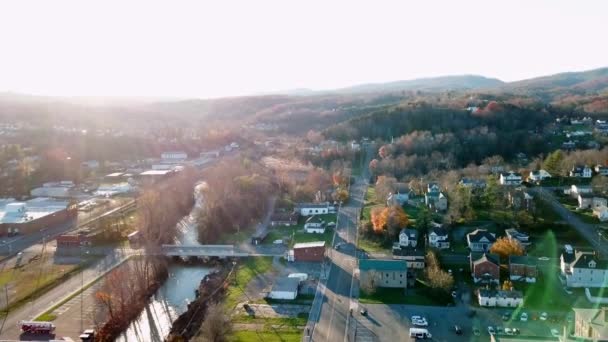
[(419, 321), (543, 316), (363, 312), (457, 330), (506, 316), (499, 330), (523, 317), (509, 331), (555, 333), (491, 330)]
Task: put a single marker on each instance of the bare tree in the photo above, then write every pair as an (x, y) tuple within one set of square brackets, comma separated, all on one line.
[(216, 327)]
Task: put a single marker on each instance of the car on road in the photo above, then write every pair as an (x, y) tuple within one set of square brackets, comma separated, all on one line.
[(457, 330), (491, 330), (454, 294), (339, 245), (523, 317), (363, 312), (419, 321), (476, 331), (499, 330), (506, 316), (555, 333), (509, 331), (543, 259), (544, 316)]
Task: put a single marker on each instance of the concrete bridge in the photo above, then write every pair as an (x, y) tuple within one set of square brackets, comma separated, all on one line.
[(221, 251)]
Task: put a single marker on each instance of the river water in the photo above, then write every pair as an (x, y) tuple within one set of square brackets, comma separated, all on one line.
[(171, 300)]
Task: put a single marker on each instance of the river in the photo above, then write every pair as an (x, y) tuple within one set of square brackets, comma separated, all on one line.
[(171, 300)]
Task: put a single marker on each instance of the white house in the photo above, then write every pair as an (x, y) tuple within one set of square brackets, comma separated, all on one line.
[(514, 234), (575, 190), (408, 238), (510, 178), (438, 237), (581, 171), (601, 212), (307, 209), (285, 288), (480, 240), (537, 176), (583, 269), (399, 196), (509, 299), (314, 224)]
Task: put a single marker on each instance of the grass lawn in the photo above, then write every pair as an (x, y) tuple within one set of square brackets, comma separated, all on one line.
[(548, 295), (310, 237), (413, 296), (372, 246), (272, 329), (370, 195), (246, 271), (585, 215)]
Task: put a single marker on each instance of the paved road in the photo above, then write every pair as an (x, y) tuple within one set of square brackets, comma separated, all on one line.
[(329, 317), (588, 231), (30, 310)]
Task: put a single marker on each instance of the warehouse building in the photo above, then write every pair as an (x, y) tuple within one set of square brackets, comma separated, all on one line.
[(33, 215)]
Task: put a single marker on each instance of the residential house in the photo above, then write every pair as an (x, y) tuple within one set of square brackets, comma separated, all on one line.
[(383, 273), (284, 219), (601, 212), (510, 178), (509, 299), (480, 240), (514, 234), (408, 238), (307, 209), (309, 251), (472, 183), (591, 324), (522, 268), (485, 268), (581, 171), (601, 170), (586, 201), (314, 224), (414, 257), (520, 198), (583, 269), (438, 237), (400, 195), (434, 198), (575, 190), (537, 176)]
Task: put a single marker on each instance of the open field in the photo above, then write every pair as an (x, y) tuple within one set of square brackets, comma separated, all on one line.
[(246, 271)]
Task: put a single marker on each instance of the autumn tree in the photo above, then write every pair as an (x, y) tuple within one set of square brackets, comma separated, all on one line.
[(554, 163), (507, 285), (216, 327), (506, 247), (437, 278), (384, 186), (390, 219)]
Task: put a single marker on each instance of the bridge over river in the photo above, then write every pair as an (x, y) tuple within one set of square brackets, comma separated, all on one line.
[(221, 251)]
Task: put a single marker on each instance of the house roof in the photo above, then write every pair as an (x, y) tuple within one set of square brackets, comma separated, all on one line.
[(382, 265), (510, 174), (439, 231), (286, 284), (313, 205), (582, 260), (309, 244), (473, 182), (514, 233), (410, 233), (568, 257), (478, 234), (479, 258), (597, 318), (500, 293), (409, 251), (521, 260), (402, 188)]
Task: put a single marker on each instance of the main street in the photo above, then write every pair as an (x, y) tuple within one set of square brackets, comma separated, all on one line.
[(329, 317)]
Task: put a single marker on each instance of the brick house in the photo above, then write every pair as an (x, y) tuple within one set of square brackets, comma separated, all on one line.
[(485, 268), (522, 268)]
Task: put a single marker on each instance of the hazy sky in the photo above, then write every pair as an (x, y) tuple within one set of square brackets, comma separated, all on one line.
[(218, 47)]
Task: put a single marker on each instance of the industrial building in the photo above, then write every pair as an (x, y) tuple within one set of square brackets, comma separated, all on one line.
[(33, 215)]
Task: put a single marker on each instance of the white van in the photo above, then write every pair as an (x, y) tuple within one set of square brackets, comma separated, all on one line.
[(420, 333)]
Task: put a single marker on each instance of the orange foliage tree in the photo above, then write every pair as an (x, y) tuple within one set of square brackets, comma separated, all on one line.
[(506, 247), (390, 219)]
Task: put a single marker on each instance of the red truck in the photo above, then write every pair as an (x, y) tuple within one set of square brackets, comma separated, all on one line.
[(35, 327)]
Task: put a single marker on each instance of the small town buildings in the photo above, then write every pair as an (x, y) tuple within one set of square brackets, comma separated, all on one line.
[(480, 240), (510, 178), (579, 171), (33, 215), (472, 183), (408, 237), (575, 190), (62, 189), (307, 209), (414, 257), (284, 219), (520, 198), (586, 201), (514, 234), (438, 237), (109, 190), (522, 268), (583, 269), (591, 324), (309, 251), (537, 176), (601, 170), (314, 224), (601, 212), (284, 288), (485, 268), (399, 196), (90, 164), (383, 273), (174, 156), (508, 299)]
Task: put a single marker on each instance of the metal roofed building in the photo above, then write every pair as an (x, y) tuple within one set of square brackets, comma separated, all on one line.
[(285, 288), (383, 273)]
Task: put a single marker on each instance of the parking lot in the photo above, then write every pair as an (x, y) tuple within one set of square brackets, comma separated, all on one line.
[(392, 323)]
